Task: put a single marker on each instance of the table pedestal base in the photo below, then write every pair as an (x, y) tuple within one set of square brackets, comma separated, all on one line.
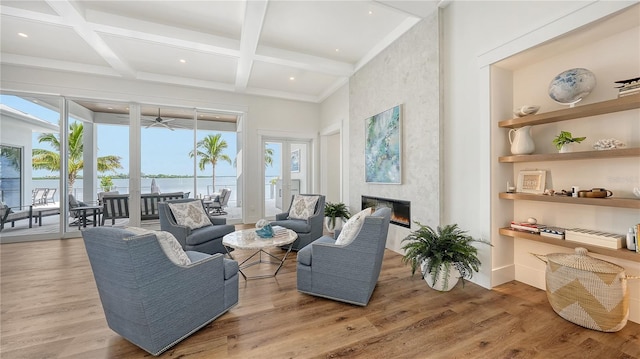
[(279, 262)]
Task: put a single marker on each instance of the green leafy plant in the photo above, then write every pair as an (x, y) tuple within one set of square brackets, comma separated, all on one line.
[(336, 210), (106, 183), (440, 250), (565, 137)]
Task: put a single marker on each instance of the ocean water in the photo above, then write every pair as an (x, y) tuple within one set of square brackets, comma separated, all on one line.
[(204, 186)]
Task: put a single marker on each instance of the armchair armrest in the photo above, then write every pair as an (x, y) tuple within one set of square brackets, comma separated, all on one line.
[(218, 221), (282, 216)]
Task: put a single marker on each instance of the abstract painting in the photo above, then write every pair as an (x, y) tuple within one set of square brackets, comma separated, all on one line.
[(383, 147)]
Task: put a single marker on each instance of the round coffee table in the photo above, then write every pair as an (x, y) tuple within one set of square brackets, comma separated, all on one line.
[(248, 239)]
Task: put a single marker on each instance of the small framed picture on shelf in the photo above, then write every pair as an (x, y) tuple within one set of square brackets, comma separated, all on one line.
[(531, 181)]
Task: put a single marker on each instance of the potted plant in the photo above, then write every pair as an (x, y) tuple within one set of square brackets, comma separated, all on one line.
[(106, 183), (443, 255), (334, 215), (564, 141)]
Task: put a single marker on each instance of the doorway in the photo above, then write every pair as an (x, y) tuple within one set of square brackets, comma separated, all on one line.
[(287, 172)]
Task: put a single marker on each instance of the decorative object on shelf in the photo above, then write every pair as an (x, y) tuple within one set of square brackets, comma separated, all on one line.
[(595, 193), (440, 254), (526, 110), (564, 141), (628, 87), (383, 148), (510, 188), (532, 220), (571, 86), (608, 144), (552, 232), (636, 191), (334, 215), (595, 238), (587, 291), (522, 142), (527, 227), (531, 181)]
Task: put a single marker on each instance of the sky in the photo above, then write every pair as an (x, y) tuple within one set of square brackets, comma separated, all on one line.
[(163, 151)]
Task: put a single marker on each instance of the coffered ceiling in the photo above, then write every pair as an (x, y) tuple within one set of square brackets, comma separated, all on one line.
[(300, 50)]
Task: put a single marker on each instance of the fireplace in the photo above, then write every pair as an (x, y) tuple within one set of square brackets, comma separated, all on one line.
[(400, 210)]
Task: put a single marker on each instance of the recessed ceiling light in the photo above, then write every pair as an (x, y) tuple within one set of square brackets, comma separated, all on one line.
[(292, 78), (337, 50), (183, 61), (109, 108), (370, 12), (22, 34)]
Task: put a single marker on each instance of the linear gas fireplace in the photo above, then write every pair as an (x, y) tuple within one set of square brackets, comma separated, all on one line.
[(400, 210)]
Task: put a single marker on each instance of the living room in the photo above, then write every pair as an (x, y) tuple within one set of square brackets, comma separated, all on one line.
[(440, 72)]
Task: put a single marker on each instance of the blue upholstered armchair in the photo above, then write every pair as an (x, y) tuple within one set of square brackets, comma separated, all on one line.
[(308, 230), (347, 273), (206, 239), (149, 299)]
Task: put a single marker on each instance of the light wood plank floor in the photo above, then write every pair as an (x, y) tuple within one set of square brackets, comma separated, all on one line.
[(50, 309)]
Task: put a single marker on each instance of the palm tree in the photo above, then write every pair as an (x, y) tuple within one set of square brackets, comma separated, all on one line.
[(210, 151), (50, 160), (268, 157)]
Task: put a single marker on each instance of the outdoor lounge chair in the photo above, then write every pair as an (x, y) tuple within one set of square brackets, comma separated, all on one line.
[(216, 207), (7, 214)]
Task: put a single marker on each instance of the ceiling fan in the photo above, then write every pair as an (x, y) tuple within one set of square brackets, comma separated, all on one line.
[(159, 121)]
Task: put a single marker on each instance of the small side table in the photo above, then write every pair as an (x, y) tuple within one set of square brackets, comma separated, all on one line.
[(82, 214)]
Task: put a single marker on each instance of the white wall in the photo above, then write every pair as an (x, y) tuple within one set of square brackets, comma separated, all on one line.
[(290, 118), (334, 120)]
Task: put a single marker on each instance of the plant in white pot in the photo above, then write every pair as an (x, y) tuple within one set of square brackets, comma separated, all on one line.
[(334, 215), (444, 255), (564, 141)]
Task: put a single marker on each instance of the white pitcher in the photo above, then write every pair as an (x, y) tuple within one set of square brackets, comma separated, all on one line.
[(522, 142)]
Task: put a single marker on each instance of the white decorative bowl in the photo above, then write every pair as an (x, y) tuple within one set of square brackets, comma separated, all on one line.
[(526, 110), (572, 86)]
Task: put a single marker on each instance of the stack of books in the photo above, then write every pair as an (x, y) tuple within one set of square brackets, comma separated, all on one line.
[(596, 238), (628, 87), (527, 227), (279, 231)]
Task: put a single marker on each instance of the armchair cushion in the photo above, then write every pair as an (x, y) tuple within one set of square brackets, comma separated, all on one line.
[(302, 207), (352, 227), (168, 242), (190, 214), (203, 235), (296, 225)]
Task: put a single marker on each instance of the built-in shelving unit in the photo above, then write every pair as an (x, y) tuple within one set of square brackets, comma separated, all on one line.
[(599, 108), (606, 202), (621, 253), (583, 155), (585, 111)]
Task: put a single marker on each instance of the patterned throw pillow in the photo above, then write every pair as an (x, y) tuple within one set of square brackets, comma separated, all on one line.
[(352, 227), (190, 214), (168, 242), (303, 207)]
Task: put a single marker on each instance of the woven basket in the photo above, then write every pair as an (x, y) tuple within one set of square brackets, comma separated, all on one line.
[(587, 291)]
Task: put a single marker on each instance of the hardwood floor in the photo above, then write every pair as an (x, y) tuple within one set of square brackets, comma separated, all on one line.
[(50, 309)]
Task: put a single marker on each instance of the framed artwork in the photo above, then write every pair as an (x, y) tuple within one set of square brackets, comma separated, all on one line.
[(383, 147), (531, 181), (295, 160)]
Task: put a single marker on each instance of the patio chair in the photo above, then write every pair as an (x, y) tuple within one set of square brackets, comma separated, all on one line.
[(78, 216), (51, 192), (7, 214), (216, 208), (39, 196)]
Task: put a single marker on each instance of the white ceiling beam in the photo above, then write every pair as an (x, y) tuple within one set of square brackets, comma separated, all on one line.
[(126, 27), (184, 81), (254, 15), (303, 62), (72, 17), (38, 62)]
